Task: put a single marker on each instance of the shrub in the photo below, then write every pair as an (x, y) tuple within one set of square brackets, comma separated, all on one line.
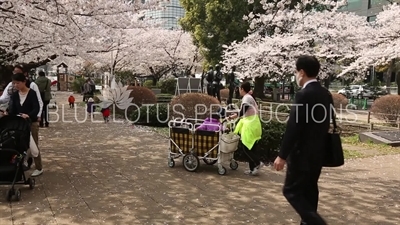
[(168, 86), (77, 84), (280, 108), (148, 84), (269, 145), (339, 101), (140, 95), (224, 93), (387, 108), (190, 103), (155, 115), (164, 98)]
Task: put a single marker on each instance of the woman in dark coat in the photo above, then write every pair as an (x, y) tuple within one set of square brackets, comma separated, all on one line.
[(24, 101)]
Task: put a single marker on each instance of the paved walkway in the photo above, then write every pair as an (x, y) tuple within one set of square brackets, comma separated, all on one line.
[(116, 174)]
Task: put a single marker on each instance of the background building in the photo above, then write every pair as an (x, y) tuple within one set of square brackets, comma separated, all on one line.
[(168, 16), (367, 8)]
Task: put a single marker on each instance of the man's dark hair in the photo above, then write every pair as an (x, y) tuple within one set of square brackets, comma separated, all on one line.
[(309, 64), (42, 74), (246, 87)]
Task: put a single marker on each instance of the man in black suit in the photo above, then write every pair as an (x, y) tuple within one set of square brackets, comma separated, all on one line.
[(304, 141)]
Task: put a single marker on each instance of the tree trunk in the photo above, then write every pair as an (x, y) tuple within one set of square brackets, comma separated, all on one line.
[(398, 82), (259, 87), (389, 74), (327, 82)]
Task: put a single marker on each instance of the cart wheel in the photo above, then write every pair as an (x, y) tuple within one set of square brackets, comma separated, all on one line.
[(171, 162), (234, 165), (32, 183), (191, 162), (18, 194), (210, 161), (221, 170), (10, 193)]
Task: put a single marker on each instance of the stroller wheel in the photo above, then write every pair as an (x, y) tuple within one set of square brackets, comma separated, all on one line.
[(234, 165), (171, 162), (210, 161), (191, 162), (31, 182), (221, 170), (18, 195), (9, 194)]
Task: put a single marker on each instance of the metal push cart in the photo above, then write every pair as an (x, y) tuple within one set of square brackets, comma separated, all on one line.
[(195, 145)]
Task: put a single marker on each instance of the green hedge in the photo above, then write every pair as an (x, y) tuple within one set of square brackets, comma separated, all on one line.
[(167, 86), (164, 98), (155, 115), (77, 84)]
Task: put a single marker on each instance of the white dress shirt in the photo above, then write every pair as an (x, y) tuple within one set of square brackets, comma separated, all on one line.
[(5, 97), (308, 82)]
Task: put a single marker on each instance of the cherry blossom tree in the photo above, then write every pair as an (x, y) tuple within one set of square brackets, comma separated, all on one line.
[(383, 43), (33, 28), (286, 31), (153, 51)]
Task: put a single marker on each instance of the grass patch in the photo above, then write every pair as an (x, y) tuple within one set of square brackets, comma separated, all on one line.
[(353, 148), (352, 154)]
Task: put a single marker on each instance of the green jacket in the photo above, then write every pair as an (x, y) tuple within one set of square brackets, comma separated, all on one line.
[(44, 85)]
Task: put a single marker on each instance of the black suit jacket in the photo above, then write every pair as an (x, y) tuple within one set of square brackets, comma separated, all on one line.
[(304, 141)]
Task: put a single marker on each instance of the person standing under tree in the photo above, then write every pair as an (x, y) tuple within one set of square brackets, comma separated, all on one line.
[(44, 85), (217, 82), (304, 142), (86, 90), (232, 85), (210, 79)]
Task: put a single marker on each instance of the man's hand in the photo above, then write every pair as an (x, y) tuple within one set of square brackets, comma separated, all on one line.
[(279, 163), (38, 119), (23, 115)]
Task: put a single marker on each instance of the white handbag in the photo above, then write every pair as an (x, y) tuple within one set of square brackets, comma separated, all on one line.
[(229, 142), (33, 147)]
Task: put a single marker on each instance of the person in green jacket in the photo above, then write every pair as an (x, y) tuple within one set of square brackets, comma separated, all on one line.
[(249, 128), (44, 85)]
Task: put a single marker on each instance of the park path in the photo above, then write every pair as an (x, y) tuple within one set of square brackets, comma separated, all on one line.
[(114, 173)]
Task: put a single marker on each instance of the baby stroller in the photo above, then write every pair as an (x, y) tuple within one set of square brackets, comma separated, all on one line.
[(14, 143), (195, 145)]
